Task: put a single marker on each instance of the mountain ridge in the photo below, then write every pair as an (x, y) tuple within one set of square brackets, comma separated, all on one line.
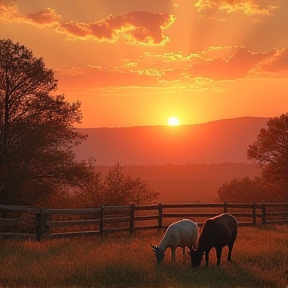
[(218, 141)]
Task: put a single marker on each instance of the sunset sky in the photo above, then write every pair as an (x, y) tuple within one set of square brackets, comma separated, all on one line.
[(139, 62)]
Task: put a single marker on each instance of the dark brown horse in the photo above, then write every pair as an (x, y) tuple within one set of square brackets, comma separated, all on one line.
[(217, 232)]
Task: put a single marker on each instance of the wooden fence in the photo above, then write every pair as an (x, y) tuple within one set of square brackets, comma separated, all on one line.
[(44, 223)]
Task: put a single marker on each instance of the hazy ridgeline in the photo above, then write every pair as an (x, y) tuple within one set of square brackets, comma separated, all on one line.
[(188, 183), (213, 142), (259, 259)]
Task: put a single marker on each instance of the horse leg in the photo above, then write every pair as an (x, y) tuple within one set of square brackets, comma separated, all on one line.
[(218, 253), (230, 246), (184, 256), (206, 257), (173, 259)]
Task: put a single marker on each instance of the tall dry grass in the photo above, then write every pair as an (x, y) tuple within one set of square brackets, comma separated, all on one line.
[(260, 259)]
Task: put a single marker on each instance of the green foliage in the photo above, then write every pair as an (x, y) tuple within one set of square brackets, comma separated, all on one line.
[(36, 130)]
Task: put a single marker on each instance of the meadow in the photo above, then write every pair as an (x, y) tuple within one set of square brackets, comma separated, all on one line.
[(259, 259)]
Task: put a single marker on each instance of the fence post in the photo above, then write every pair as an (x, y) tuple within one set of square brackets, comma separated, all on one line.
[(132, 217), (225, 207), (160, 215), (40, 224), (42, 228), (47, 217), (101, 223), (254, 214), (263, 213)]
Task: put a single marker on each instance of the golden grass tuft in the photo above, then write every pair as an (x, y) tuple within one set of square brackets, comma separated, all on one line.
[(259, 259)]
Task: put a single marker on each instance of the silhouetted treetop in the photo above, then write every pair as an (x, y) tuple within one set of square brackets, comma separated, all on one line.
[(271, 145), (36, 129)]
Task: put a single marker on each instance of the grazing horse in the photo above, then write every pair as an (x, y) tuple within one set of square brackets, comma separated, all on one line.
[(217, 232), (179, 234)]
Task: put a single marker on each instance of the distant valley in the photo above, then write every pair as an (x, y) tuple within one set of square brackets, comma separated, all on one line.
[(184, 163)]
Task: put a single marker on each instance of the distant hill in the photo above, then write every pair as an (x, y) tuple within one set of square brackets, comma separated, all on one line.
[(214, 142)]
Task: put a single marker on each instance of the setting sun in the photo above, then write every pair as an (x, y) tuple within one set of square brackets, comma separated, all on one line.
[(173, 121), (159, 64)]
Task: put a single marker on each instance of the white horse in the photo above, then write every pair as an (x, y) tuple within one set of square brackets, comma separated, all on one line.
[(179, 234)]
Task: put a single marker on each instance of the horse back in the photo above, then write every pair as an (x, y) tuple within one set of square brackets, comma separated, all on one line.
[(219, 231), (227, 228)]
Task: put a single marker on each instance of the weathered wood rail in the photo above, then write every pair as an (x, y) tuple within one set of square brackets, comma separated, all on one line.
[(44, 223)]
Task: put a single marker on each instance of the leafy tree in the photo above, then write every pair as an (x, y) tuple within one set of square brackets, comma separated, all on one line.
[(270, 151), (243, 190), (120, 189), (115, 189), (93, 195), (36, 130)]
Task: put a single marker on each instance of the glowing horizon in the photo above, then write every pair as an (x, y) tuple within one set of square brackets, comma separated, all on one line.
[(135, 64)]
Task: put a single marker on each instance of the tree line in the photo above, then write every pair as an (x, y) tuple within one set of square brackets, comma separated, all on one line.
[(37, 136)]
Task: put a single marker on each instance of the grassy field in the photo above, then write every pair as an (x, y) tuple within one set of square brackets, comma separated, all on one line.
[(260, 259)]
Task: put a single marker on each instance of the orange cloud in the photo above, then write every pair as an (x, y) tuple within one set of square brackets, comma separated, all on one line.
[(278, 63), (217, 63), (248, 7), (78, 30), (48, 16), (207, 73), (273, 67), (10, 13), (237, 66), (90, 77), (135, 27)]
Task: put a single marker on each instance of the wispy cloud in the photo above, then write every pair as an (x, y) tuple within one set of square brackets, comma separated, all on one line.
[(239, 65), (254, 8), (217, 63), (204, 73), (275, 66), (48, 17)]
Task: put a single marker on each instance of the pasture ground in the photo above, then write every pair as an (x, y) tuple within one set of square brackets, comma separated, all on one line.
[(260, 259)]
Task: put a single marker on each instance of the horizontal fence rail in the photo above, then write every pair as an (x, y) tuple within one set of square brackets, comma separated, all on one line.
[(44, 223)]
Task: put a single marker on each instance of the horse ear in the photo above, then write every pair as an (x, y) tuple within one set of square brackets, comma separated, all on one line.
[(153, 247)]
